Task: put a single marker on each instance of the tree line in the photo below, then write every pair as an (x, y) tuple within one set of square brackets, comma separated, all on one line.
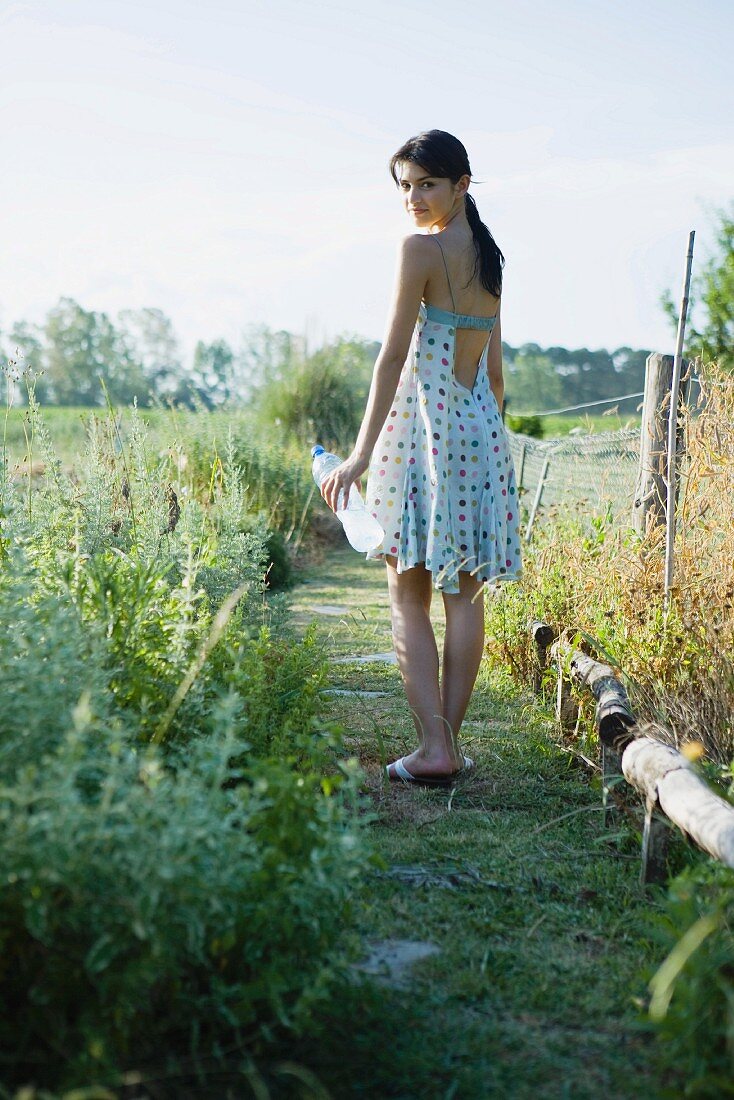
[(81, 357)]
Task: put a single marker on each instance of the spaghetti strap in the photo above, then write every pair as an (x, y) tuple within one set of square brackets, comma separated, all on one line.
[(448, 280)]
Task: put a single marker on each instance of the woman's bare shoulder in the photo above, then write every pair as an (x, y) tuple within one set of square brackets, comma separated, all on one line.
[(416, 249)]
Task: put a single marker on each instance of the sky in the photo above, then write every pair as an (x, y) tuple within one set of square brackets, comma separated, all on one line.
[(227, 163)]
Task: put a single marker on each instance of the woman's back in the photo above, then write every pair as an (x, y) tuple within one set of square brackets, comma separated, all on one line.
[(452, 286)]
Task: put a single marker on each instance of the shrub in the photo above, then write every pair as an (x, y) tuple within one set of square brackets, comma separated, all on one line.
[(151, 916), (525, 425), (321, 399), (692, 1003)]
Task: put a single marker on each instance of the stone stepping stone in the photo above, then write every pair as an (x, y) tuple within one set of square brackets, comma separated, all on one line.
[(359, 694), (386, 658), (389, 961), (327, 609)]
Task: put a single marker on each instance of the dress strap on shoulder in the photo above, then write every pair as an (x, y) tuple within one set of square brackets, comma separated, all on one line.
[(448, 280)]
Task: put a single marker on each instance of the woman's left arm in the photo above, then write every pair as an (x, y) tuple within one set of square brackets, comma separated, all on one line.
[(410, 283)]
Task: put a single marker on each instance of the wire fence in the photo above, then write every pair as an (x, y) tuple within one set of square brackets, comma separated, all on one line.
[(598, 472)]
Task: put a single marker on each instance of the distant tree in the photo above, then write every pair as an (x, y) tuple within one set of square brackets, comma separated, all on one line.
[(588, 375), (321, 398), (265, 356), (83, 349), (713, 288), (531, 381), (214, 380), (151, 344), (24, 344)]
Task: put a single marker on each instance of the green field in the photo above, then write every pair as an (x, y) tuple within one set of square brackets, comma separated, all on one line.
[(68, 426)]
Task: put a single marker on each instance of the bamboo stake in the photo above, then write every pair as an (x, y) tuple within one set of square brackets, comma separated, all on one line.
[(673, 424)]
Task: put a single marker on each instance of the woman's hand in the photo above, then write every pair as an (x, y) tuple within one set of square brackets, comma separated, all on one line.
[(342, 478)]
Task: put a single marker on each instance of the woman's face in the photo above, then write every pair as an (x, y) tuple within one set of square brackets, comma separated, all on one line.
[(428, 200)]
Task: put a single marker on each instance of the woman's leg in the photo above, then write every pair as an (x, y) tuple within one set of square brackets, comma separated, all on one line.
[(462, 650), (415, 647)]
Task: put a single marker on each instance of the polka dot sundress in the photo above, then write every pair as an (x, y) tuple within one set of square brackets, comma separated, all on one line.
[(441, 480)]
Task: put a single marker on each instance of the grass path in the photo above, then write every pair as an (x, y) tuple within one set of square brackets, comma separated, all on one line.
[(541, 930)]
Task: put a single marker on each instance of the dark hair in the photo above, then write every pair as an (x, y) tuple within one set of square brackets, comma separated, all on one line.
[(443, 155)]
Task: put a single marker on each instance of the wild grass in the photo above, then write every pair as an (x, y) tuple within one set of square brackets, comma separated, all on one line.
[(601, 583), (596, 578), (180, 824)]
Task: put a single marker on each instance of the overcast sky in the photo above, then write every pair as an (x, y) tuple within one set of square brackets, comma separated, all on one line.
[(227, 163)]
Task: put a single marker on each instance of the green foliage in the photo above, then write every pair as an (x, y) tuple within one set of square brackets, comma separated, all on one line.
[(322, 398), (80, 348), (279, 571), (281, 685), (275, 477), (526, 425), (531, 381), (692, 1002), (215, 373), (162, 902), (149, 915), (546, 378)]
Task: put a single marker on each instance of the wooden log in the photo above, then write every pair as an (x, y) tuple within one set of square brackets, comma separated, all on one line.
[(666, 779), (614, 715), (650, 502)]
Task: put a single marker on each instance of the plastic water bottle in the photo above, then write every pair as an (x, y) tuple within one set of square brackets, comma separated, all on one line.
[(360, 526)]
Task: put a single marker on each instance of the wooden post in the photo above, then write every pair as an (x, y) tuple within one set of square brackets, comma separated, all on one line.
[(567, 707), (649, 508), (538, 495), (521, 473), (611, 772), (655, 837), (542, 636)]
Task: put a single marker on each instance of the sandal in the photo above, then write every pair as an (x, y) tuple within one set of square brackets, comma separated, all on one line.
[(402, 775)]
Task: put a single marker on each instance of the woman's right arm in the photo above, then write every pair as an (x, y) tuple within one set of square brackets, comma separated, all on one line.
[(410, 282)]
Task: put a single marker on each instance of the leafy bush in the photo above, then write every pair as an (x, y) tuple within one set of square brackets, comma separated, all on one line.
[(275, 478), (525, 425), (692, 1002), (150, 915), (278, 568), (322, 398)]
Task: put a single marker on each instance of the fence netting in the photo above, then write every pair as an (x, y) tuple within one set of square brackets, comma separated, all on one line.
[(598, 472)]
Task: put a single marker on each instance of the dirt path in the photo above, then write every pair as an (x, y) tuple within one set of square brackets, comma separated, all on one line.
[(534, 932)]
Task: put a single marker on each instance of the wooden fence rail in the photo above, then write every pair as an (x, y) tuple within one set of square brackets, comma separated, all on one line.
[(662, 775)]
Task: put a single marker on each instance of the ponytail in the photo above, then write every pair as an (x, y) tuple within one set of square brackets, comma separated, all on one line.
[(489, 260)]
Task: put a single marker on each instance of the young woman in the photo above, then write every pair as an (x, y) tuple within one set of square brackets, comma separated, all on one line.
[(441, 480)]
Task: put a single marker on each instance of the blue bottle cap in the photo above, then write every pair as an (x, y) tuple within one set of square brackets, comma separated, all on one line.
[(317, 450)]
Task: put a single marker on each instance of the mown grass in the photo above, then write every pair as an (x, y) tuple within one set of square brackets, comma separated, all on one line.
[(543, 932)]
